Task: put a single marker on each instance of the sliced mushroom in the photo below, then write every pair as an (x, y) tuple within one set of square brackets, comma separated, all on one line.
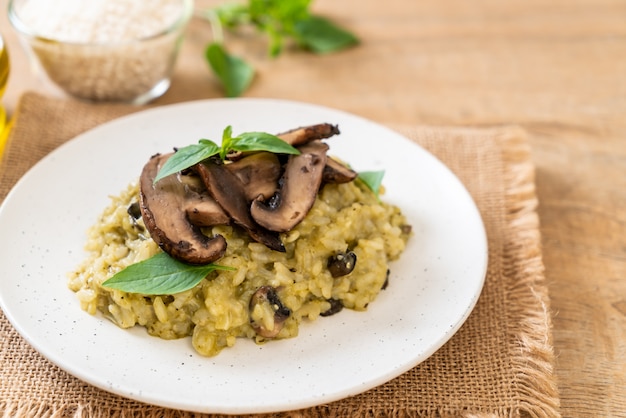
[(134, 213), (341, 264), (386, 282), (336, 306), (306, 134), (266, 298), (337, 172), (228, 192), (259, 174), (201, 208), (162, 206), (298, 190)]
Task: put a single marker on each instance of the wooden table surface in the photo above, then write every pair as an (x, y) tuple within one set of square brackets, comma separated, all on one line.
[(557, 68)]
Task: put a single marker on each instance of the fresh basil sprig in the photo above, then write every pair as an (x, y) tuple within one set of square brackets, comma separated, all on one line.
[(254, 141), (372, 179), (233, 72), (205, 148), (160, 275), (322, 36), (281, 21)]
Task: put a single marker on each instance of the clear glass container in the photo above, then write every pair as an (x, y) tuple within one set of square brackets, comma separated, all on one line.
[(104, 50)]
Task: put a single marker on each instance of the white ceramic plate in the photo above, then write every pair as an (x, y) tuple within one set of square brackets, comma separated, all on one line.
[(432, 290)]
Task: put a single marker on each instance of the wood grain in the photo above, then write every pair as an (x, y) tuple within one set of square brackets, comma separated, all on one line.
[(556, 68)]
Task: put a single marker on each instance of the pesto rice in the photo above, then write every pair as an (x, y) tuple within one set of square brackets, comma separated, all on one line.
[(218, 311)]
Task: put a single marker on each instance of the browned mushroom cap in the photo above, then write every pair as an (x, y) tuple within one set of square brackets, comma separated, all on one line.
[(259, 174), (336, 172), (267, 298), (161, 207), (228, 191), (298, 191), (341, 264), (306, 134)]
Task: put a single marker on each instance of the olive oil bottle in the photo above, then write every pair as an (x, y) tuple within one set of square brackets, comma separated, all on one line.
[(4, 76)]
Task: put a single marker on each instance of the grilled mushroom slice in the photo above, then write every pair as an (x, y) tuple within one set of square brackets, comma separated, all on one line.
[(337, 172), (341, 264), (306, 134), (259, 174), (299, 187), (200, 207), (267, 302), (336, 306), (162, 206), (229, 193)]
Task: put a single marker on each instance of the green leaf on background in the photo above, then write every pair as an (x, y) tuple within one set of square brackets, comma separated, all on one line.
[(372, 179), (277, 19), (281, 21), (232, 15), (280, 15), (233, 72), (322, 36), (275, 42), (187, 157), (160, 275)]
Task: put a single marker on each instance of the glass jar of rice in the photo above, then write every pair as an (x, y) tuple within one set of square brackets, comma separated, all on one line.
[(104, 50)]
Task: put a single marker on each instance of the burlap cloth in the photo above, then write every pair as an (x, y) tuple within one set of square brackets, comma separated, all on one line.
[(500, 363)]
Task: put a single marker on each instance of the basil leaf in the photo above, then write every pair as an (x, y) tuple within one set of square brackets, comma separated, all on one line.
[(186, 157), (233, 72), (261, 141), (322, 36), (160, 275), (372, 179)]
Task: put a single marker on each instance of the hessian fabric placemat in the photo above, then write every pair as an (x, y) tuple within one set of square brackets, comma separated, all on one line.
[(500, 363)]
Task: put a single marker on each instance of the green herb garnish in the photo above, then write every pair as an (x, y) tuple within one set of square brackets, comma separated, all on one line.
[(254, 141), (281, 21), (372, 179), (160, 275), (205, 148)]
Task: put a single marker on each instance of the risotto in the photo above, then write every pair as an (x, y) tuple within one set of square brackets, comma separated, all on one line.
[(266, 294)]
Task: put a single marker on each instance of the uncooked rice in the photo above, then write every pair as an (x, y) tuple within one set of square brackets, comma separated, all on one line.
[(106, 50), (216, 312)]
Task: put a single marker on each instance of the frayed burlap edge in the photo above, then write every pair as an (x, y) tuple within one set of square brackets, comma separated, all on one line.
[(532, 350)]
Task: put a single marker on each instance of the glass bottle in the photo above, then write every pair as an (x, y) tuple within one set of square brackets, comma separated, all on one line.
[(4, 75)]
